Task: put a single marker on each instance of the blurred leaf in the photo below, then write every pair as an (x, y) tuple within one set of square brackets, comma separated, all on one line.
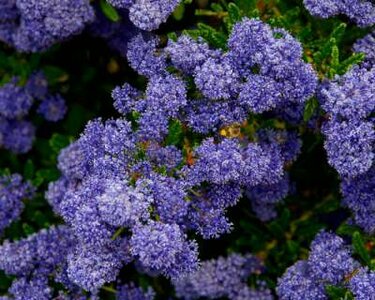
[(54, 74), (354, 59), (27, 229), (212, 36), (58, 142), (310, 108), (29, 169), (175, 133), (178, 13), (360, 249), (109, 11), (338, 293)]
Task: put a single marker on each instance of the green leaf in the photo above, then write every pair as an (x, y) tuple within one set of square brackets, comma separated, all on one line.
[(109, 11), (54, 74), (172, 36), (360, 249), (175, 133), (58, 142), (29, 169), (338, 32), (27, 229), (354, 59), (338, 293), (212, 36), (45, 175), (216, 7), (310, 108), (234, 13), (234, 16), (179, 12)]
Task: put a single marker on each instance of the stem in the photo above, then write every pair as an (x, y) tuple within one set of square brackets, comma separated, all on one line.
[(117, 233)]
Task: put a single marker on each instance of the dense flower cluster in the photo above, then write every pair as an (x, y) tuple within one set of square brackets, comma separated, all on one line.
[(330, 262), (200, 130), (359, 195), (350, 136), (130, 291), (33, 26), (366, 45), (223, 277), (16, 132), (361, 12), (147, 14), (12, 192), (34, 259)]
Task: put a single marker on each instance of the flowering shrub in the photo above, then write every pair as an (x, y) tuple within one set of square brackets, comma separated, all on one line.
[(194, 149)]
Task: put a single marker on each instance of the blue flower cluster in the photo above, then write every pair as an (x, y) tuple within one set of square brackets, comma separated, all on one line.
[(359, 195), (35, 26), (35, 260), (362, 12), (12, 192), (224, 277), (32, 26), (269, 75), (147, 14), (330, 262), (130, 291), (104, 190), (349, 101), (16, 132), (366, 45)]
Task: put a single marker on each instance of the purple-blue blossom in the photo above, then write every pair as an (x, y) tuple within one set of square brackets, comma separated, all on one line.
[(142, 55), (350, 96), (42, 24), (149, 14), (221, 277), (16, 135), (366, 45), (217, 79), (349, 146), (35, 288), (359, 196), (92, 266), (53, 108), (12, 191), (40, 252), (297, 283), (362, 284), (15, 102), (360, 12), (187, 54), (122, 205), (164, 247), (131, 291), (330, 258)]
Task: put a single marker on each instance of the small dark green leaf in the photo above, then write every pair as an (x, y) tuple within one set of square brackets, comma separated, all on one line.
[(109, 11), (310, 109), (178, 13), (54, 74), (354, 59), (58, 142), (338, 293), (27, 229), (360, 249), (175, 133), (29, 169)]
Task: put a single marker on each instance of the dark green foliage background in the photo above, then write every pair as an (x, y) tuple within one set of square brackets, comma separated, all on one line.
[(84, 70)]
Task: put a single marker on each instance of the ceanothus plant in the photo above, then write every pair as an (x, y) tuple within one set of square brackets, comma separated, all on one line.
[(216, 133)]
